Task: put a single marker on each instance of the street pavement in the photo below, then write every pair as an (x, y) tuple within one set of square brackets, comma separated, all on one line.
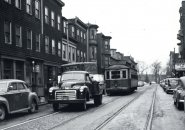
[(132, 117)]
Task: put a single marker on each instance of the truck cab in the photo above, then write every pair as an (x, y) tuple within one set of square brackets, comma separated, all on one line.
[(75, 87)]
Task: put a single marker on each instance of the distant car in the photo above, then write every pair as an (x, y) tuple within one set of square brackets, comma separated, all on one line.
[(162, 83), (171, 85), (140, 84), (15, 96), (179, 94)]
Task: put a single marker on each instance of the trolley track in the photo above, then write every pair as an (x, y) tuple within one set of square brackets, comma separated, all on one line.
[(149, 118)]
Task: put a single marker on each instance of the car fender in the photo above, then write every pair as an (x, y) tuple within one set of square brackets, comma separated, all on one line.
[(5, 102), (33, 96)]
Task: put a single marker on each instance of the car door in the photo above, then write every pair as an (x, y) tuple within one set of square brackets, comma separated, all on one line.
[(24, 93), (13, 96)]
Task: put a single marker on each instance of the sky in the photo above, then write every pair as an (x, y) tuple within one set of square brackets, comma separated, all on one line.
[(145, 29)]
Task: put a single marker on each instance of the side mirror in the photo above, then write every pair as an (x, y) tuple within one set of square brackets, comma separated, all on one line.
[(10, 88)]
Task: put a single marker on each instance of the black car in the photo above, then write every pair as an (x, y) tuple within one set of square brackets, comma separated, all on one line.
[(15, 96), (179, 94)]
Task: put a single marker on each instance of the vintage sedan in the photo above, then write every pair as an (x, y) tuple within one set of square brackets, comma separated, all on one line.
[(179, 94), (171, 85), (15, 96)]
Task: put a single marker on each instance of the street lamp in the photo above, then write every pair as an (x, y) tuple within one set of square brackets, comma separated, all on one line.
[(34, 73)]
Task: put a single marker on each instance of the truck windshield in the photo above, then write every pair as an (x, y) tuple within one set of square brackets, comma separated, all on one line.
[(3, 87), (73, 76)]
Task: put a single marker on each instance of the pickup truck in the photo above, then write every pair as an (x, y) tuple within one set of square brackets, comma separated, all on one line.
[(75, 87)]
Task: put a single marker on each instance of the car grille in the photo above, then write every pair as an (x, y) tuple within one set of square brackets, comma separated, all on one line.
[(65, 95)]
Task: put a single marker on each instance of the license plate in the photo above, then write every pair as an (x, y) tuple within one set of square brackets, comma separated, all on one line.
[(65, 98)]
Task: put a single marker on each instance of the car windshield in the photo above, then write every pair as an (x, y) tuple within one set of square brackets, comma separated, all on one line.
[(3, 87), (73, 76)]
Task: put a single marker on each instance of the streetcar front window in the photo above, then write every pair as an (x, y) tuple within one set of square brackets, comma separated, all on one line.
[(124, 74), (115, 75)]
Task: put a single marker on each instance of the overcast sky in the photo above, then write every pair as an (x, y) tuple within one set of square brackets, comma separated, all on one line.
[(145, 29)]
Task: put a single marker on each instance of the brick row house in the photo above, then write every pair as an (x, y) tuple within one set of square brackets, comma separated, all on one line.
[(74, 42), (31, 41)]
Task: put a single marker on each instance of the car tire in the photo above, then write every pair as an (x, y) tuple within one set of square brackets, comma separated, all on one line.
[(32, 107), (55, 107), (2, 113), (174, 102), (178, 105)]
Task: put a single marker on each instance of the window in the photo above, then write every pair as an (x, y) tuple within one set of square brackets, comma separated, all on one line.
[(92, 34), (106, 45), (28, 6), (73, 32), (65, 27), (115, 75), (64, 50), (59, 49), (18, 4), (93, 52), (7, 32), (81, 36), (81, 56), (78, 55), (52, 19), (18, 35), (124, 74), (84, 57), (20, 86), (37, 9), (29, 39), (69, 53), (73, 54), (38, 42), (78, 34), (84, 37), (53, 46), (107, 75), (46, 44), (8, 1), (59, 23), (46, 15)]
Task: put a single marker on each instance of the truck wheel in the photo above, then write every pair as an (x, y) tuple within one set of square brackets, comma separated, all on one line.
[(2, 113), (55, 106), (33, 107)]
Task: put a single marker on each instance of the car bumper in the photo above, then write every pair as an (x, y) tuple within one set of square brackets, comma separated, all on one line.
[(76, 101)]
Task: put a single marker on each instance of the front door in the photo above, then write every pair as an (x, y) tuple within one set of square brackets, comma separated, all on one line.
[(24, 93), (13, 97)]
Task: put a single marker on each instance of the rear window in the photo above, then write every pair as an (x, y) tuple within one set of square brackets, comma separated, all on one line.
[(174, 82), (3, 87)]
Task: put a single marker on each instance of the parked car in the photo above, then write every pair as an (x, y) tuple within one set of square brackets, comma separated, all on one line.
[(15, 96), (140, 84), (179, 94), (162, 83), (171, 85)]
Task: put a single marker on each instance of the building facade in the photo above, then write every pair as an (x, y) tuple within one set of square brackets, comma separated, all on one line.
[(31, 41), (103, 52)]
